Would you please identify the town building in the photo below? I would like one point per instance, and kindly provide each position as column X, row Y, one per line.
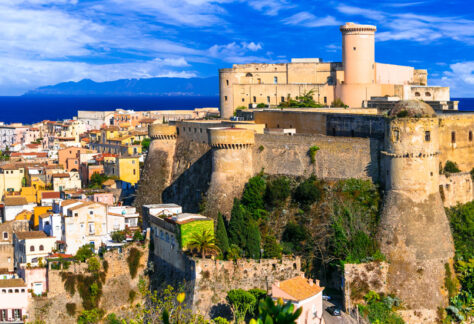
column 13, row 300
column 302, row 293
column 66, row 181
column 121, row 217
column 126, row 169
column 13, row 205
column 32, row 247
column 7, row 251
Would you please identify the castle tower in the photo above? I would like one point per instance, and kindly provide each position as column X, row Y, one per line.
column 226, row 96
column 231, row 165
column 158, row 164
column 414, row 232
column 358, row 59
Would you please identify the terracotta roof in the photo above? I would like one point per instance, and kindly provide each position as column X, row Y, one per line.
column 60, row 255
column 108, row 182
column 15, row 201
column 7, row 283
column 61, row 175
column 68, row 202
column 84, row 204
column 51, row 194
column 147, row 120
column 299, row 288
column 45, row 215
column 31, row 235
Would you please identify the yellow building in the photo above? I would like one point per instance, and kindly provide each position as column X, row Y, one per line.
column 37, row 211
column 11, row 178
column 127, row 169
column 29, row 193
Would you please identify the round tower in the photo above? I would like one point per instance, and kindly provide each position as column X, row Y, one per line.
column 231, row 165
column 358, row 53
column 226, row 95
column 414, row 232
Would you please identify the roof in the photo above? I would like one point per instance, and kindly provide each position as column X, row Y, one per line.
column 45, row 215
column 186, row 218
column 84, row 204
column 30, row 235
column 68, row 202
column 6, row 283
column 299, row 288
column 50, row 195
column 412, row 108
column 108, row 182
column 61, row 175
column 15, row 201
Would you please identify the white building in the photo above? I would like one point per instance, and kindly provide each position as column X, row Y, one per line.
column 13, row 300
column 119, row 217
column 51, row 224
column 66, row 181
column 31, row 246
column 14, row 205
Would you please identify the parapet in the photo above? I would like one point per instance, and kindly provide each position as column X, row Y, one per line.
column 162, row 131
column 231, row 138
column 351, row 27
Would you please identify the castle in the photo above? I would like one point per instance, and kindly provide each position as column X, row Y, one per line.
column 204, row 164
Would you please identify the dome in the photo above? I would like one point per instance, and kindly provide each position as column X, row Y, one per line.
column 412, row 108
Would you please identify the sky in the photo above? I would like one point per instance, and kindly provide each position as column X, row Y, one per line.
column 44, row 42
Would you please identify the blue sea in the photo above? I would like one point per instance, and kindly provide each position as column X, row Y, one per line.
column 28, row 110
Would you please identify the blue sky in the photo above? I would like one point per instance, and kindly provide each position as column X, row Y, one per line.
column 45, row 42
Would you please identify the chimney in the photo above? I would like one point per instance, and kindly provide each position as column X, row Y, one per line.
column 317, row 282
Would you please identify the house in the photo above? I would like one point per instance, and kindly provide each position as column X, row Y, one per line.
column 13, row 300
column 11, row 177
column 7, row 251
column 84, row 223
column 66, row 181
column 35, row 279
column 47, row 197
column 127, row 169
column 51, row 224
column 13, row 205
column 104, row 198
column 31, row 247
column 70, row 157
column 171, row 235
column 159, row 210
column 304, row 293
column 120, row 217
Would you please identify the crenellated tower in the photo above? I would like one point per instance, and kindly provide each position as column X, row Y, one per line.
column 231, row 165
column 414, row 231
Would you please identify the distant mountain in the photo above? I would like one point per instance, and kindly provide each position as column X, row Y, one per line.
column 133, row 87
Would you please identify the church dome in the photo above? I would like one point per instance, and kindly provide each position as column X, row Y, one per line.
column 412, row 108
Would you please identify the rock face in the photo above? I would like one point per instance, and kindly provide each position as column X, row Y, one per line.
column 414, row 231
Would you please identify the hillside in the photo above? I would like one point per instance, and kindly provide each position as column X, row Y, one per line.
column 133, row 87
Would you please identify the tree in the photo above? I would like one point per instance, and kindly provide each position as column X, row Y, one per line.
column 237, row 225
column 93, row 265
column 84, row 253
column 252, row 197
column 97, row 179
column 221, row 235
column 241, row 302
column 90, row 316
column 307, row 192
column 146, row 144
column 204, row 242
column 305, row 100
column 271, row 248
column 271, row 312
column 451, row 167
column 253, row 240
column 277, row 191
column 118, row 236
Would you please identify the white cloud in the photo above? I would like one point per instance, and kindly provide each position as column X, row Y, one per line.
column 20, row 75
column 270, row 7
column 460, row 78
column 252, row 46
column 236, row 53
column 307, row 19
column 355, row 11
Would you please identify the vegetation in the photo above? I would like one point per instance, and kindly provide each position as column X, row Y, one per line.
column 271, row 248
column 337, row 103
column 133, row 260
column 402, row 114
column 261, row 105
column 461, row 305
column 277, row 191
column 90, row 316
column 380, row 309
column 222, row 240
column 271, row 312
column 84, row 253
column 308, row 192
column 241, row 302
column 312, row 153
column 204, row 243
column 71, row 309
column 306, row 100
column 451, row 167
column 146, row 144
column 97, row 179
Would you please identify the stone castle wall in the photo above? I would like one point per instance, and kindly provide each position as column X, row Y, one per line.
column 115, row 291
column 456, row 188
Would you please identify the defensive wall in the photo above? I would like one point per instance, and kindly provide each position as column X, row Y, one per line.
column 115, row 290
column 456, row 188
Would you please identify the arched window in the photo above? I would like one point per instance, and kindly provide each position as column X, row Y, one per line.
column 428, row 94
column 249, row 75
column 417, row 94
column 41, row 248
column 32, row 248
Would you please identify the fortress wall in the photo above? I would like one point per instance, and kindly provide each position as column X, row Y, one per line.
column 303, row 122
column 214, row 278
column 196, row 131
column 456, row 188
column 462, row 151
column 337, row 158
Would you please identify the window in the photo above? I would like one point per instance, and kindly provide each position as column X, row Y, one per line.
column 134, row 171
column 248, row 75
column 354, row 48
column 41, row 248
column 396, row 135
column 268, row 99
column 282, row 99
column 243, row 99
column 427, row 136
column 470, row 136
column 417, row 94
column 91, row 212
column 32, row 248
column 259, row 81
column 275, row 80
column 5, row 235
column 227, row 82
column 453, row 137
column 325, row 100
column 225, row 98
column 428, row 94
column 254, row 99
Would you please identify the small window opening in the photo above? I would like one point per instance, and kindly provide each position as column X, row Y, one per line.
column 453, row 137
column 427, row 136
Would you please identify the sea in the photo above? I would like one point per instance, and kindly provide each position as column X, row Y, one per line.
column 27, row 110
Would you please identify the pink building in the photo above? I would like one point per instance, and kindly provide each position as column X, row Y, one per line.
column 104, row 198
column 13, row 300
column 304, row 293
column 35, row 279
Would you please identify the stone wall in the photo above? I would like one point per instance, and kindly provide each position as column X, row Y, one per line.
column 115, row 291
column 215, row 278
column 456, row 188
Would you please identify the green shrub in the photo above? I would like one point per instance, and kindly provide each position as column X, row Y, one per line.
column 277, row 191
column 112, row 318
column 402, row 114
column 253, row 241
column 461, row 219
column 451, row 167
column 118, row 236
column 312, row 153
column 131, row 295
column 307, row 192
column 93, row 265
column 220, row 320
column 241, row 302
column 90, row 316
column 105, row 265
column 71, row 309
column 84, row 253
column 221, row 235
column 338, row 103
column 380, row 309
column 69, row 280
column 238, row 225
column 133, row 261
column 138, row 236
column 261, row 148
column 254, row 191
column 261, row 105
column 271, row 248
column 450, row 281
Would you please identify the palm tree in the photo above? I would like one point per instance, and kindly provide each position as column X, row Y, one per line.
column 204, row 243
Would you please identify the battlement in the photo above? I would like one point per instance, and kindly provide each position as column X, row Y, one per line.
column 231, row 138
column 351, row 27
column 162, row 131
